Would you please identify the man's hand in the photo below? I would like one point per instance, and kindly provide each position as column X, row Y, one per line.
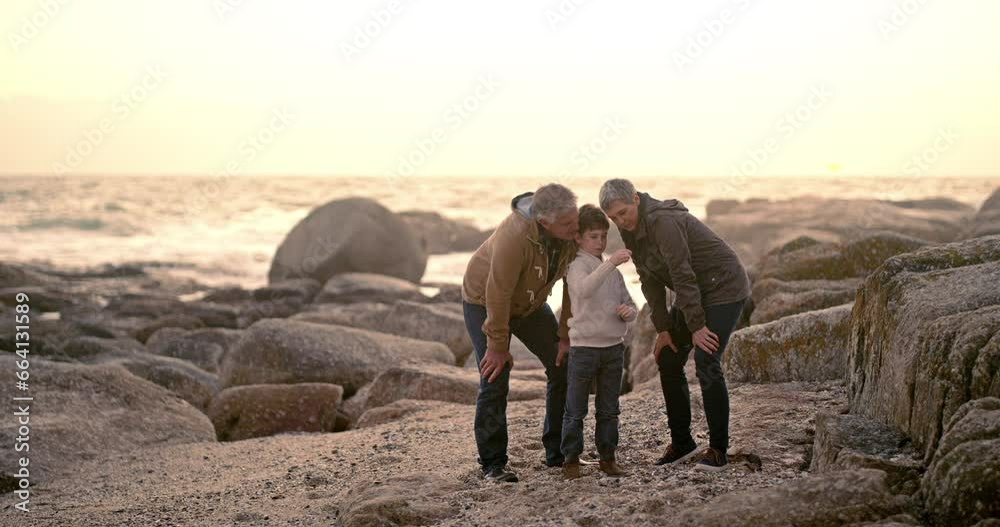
column 706, row 340
column 493, row 364
column 620, row 256
column 663, row 339
column 625, row 312
column 563, row 351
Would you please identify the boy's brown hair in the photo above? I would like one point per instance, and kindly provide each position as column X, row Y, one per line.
column 593, row 219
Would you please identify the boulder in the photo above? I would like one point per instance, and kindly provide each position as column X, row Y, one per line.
column 180, row 321
column 228, row 295
column 13, row 275
column 924, row 338
column 188, row 381
column 401, row 409
column 805, row 347
column 350, row 288
column 836, row 261
column 204, row 348
column 259, row 410
column 349, row 235
column 83, row 412
column 444, row 383
column 963, row 481
column 414, row 320
column 40, row 299
column 84, row 348
column 987, row 221
column 278, row 351
column 845, row 442
column 422, row 498
column 439, row 235
column 294, row 290
column 824, row 500
column 781, row 305
column 757, row 226
column 641, row 365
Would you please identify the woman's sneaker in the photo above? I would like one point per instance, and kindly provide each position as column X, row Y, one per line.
column 499, row 474
column 675, row 455
column 712, row 461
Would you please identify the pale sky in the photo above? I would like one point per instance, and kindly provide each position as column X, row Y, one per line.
column 607, row 88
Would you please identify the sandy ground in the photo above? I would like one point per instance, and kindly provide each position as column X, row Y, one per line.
column 310, row 479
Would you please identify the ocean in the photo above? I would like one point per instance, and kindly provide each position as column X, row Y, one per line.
column 225, row 231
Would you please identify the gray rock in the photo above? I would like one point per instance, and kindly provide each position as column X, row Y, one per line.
column 923, row 337
column 401, row 409
column 963, row 481
column 351, row 288
column 845, row 442
column 260, row 410
column 349, row 235
column 188, row 381
column 288, row 351
column 805, row 347
column 641, row 335
column 13, row 275
column 84, row 412
column 40, row 299
column 443, row 383
column 423, row 498
column 180, row 321
column 83, row 348
column 987, row 221
column 204, row 348
column 836, row 261
column 430, row 322
column 439, row 235
column 824, row 500
column 300, row 291
column 781, row 305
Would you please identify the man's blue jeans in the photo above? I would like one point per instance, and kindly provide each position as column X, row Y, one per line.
column 586, row 364
column 539, row 332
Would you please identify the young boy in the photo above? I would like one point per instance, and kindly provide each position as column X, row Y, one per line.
column 601, row 308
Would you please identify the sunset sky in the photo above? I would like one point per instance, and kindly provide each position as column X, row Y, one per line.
column 638, row 88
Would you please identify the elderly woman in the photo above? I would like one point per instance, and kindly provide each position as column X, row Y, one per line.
column 673, row 249
column 504, row 291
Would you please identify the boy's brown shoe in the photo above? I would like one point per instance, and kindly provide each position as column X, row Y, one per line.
column 611, row 468
column 571, row 470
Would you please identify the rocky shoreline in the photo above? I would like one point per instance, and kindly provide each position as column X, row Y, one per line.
column 864, row 386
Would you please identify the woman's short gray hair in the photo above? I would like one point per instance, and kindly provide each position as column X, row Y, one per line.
column 551, row 201
column 616, row 190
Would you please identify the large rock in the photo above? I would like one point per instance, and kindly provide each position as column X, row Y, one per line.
column 987, row 221
column 401, row 409
column 259, row 410
column 83, row 412
column 186, row 380
column 824, row 500
column 349, row 235
column 350, row 288
column 204, row 348
column 641, row 365
column 445, row 383
column 805, row 347
column 845, row 442
column 439, row 235
column 431, row 322
column 757, row 226
column 962, row 484
column 774, row 299
column 178, row 321
column 276, row 351
column 836, row 261
column 924, row 337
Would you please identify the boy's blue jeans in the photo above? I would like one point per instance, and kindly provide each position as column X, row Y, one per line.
column 586, row 364
column 539, row 332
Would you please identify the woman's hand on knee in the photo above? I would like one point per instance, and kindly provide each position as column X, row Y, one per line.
column 706, row 340
column 663, row 339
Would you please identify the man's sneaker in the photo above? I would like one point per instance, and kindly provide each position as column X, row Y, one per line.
column 571, row 470
column 499, row 474
column 611, row 468
column 674, row 455
column 712, row 461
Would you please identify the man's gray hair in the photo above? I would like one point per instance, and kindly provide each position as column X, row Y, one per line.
column 616, row 190
column 551, row 201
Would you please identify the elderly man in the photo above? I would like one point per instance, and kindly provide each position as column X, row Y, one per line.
column 672, row 248
column 504, row 291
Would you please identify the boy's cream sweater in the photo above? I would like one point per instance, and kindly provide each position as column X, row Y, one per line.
column 596, row 289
